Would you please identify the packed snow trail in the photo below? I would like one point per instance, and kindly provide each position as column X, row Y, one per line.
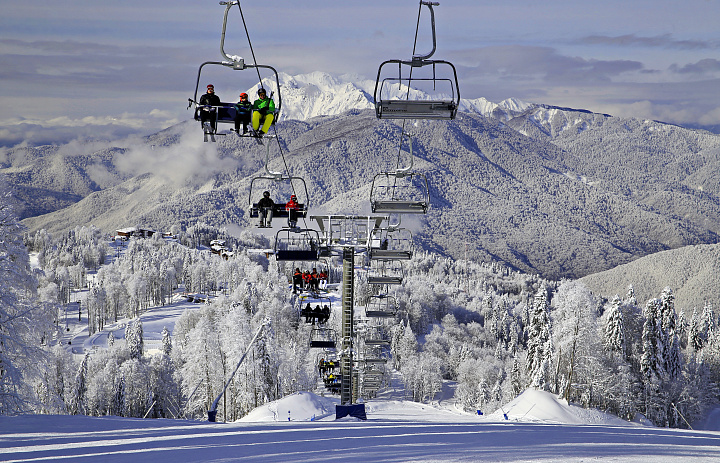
column 113, row 439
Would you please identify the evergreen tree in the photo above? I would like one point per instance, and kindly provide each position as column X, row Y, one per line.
column 77, row 402
column 669, row 336
column 538, row 349
column 166, row 341
column 695, row 332
column 653, row 350
column 615, row 329
column 134, row 338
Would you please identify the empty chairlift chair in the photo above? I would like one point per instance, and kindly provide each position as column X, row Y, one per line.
column 385, row 272
column 296, row 245
column 401, row 191
column 391, row 244
column 381, row 306
column 324, row 338
column 397, row 95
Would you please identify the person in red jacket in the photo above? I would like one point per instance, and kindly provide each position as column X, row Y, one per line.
column 292, row 207
column 306, row 279
column 322, row 276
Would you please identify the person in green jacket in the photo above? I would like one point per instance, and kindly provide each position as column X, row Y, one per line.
column 263, row 112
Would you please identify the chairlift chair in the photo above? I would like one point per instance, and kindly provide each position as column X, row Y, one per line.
column 281, row 186
column 391, row 244
column 401, row 191
column 225, row 112
column 321, row 337
column 385, row 272
column 300, row 244
column 322, row 301
column 439, row 81
column 381, row 306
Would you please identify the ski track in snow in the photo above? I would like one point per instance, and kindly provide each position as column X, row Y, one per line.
column 396, row 431
column 373, row 440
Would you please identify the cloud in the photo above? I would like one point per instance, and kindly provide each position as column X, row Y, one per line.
column 658, row 41
column 521, row 63
column 704, row 66
column 189, row 162
column 64, row 129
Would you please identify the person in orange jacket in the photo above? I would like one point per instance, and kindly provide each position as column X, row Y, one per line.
column 297, row 281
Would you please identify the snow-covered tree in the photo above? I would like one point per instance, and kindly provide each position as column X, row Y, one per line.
column 575, row 337
column 538, row 344
column 166, row 341
column 614, row 333
column 134, row 338
column 24, row 324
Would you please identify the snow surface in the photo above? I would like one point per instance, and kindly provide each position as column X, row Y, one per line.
column 538, row 428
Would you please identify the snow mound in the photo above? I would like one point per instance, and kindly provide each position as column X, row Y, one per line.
column 301, row 406
column 540, row 406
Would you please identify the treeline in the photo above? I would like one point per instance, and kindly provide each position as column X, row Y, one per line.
column 504, row 334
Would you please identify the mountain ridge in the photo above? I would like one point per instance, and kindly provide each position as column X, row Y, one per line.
column 521, row 200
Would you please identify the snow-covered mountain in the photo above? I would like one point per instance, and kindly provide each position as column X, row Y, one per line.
column 556, row 191
column 306, row 96
column 564, row 206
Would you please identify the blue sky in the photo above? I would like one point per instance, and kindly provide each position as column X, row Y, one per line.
column 106, row 69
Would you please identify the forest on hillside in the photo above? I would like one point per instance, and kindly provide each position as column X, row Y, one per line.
column 494, row 331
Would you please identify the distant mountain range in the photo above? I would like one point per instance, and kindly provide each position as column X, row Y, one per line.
column 554, row 191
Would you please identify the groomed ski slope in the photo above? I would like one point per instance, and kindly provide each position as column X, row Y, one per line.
column 539, row 428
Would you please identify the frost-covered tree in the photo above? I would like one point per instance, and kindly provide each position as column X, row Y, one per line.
column 24, row 324
column 670, row 340
column 134, row 338
column 538, row 344
column 653, row 350
column 575, row 337
column 696, row 338
column 166, row 341
column 78, row 399
column 614, row 333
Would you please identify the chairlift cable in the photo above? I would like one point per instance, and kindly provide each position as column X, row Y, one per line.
column 257, row 70
column 407, row 94
column 247, row 34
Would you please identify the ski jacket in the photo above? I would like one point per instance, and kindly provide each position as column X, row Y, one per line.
column 243, row 107
column 210, row 99
column 265, row 202
column 264, row 106
column 292, row 205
